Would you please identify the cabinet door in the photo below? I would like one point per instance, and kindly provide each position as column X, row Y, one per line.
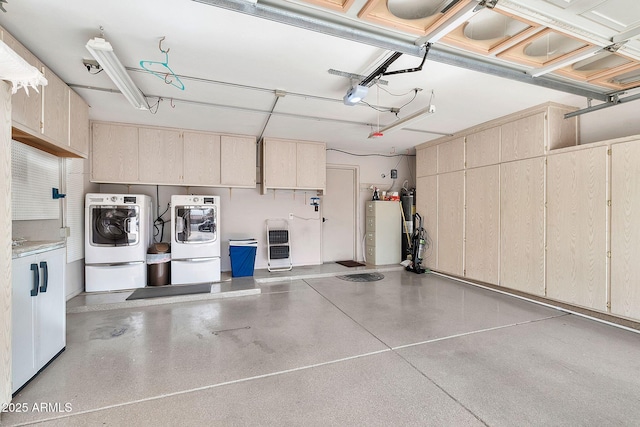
column 625, row 229
column 78, row 124
column 22, row 320
column 201, row 158
column 55, row 109
column 523, row 138
column 577, row 227
column 311, row 165
column 482, row 224
column 522, row 225
column 50, row 323
column 427, row 207
column 238, row 161
column 279, row 163
column 160, row 156
column 451, row 222
column 114, row 154
column 26, row 109
column 483, row 148
column 427, row 161
column 451, row 156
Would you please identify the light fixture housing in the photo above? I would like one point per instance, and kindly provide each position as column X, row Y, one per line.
column 399, row 124
column 355, row 94
column 581, row 56
column 103, row 52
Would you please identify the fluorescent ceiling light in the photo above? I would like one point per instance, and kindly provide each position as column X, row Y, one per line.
column 627, row 78
column 626, row 35
column 568, row 61
column 355, row 95
column 102, row 51
column 399, row 124
column 454, row 21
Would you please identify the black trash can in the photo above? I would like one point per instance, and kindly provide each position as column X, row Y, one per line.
column 159, row 264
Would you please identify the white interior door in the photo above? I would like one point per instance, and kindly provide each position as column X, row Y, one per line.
column 339, row 214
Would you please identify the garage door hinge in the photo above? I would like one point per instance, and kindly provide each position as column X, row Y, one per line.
column 609, row 152
column 608, row 202
column 608, row 254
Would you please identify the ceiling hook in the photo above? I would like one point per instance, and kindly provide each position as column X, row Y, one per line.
column 172, row 105
column 160, row 45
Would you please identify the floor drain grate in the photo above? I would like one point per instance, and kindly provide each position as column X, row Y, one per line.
column 363, row 277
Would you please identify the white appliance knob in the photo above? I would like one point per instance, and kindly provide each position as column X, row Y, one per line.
column 195, row 199
column 114, row 198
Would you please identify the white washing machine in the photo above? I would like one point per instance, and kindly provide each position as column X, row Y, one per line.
column 195, row 239
column 118, row 231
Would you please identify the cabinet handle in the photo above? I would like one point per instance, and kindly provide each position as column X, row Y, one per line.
column 45, row 274
column 36, row 280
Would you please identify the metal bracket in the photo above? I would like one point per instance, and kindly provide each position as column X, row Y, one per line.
column 56, row 194
column 614, row 47
column 489, row 4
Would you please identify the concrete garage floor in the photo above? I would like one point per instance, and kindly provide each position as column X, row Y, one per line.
column 405, row 350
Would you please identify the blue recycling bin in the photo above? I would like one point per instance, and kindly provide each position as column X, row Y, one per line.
column 243, row 257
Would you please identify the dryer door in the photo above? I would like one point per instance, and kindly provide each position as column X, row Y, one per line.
column 196, row 224
column 114, row 225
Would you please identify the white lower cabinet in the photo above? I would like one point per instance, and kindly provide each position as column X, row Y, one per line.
column 38, row 313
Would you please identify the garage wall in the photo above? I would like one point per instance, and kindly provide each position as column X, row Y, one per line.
column 372, row 167
column 244, row 211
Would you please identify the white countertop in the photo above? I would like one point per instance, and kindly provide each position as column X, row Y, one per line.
column 32, row 247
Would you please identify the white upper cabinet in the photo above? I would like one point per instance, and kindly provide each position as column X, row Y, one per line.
column 201, row 158
column 160, row 156
column 114, row 153
column 238, row 161
column 150, row 155
column 296, row 165
column 53, row 118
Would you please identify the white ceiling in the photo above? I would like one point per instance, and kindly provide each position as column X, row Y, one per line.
column 245, row 59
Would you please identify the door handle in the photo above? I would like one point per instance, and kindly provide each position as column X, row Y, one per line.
column 45, row 274
column 36, row 280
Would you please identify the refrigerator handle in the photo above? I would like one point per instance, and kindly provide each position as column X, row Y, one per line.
column 45, row 274
column 36, row 280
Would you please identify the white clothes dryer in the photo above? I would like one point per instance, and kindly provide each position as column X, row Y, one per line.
column 118, row 231
column 195, row 239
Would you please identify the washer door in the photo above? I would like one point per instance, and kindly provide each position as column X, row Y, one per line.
column 115, row 225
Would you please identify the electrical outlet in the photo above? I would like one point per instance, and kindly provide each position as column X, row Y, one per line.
column 290, row 216
column 65, row 232
column 394, row 173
